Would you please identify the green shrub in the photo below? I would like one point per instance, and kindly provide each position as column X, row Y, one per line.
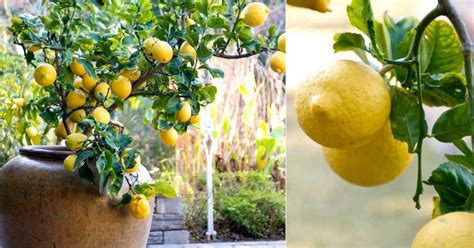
column 247, row 204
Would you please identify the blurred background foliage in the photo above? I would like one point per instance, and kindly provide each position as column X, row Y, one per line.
column 247, row 130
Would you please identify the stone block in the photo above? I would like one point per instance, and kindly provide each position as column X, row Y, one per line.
column 168, row 205
column 155, row 237
column 176, row 237
column 164, row 225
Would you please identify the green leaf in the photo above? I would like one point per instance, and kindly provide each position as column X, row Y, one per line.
column 464, row 160
column 397, row 31
column 115, row 185
column 203, row 52
column 445, row 48
column 351, row 42
column 453, row 183
column 146, row 189
column 165, row 189
column 447, row 89
column 126, row 198
column 453, row 124
column 463, row 147
column 405, row 118
column 173, row 105
column 83, row 156
column 86, row 173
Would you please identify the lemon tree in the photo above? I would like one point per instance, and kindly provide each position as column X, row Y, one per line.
column 20, row 123
column 91, row 57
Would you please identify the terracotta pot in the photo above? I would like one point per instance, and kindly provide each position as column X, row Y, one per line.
column 42, row 205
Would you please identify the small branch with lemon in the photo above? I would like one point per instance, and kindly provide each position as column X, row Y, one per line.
column 89, row 67
column 371, row 120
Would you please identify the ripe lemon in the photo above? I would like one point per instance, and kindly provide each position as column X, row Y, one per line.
column 162, row 52
column 278, row 62
column 380, row 161
column 78, row 83
column 133, row 74
column 188, row 49
column 452, row 230
column 75, row 141
column 137, row 164
column 318, row 5
column 343, row 106
column 102, row 88
column 75, row 99
column 169, row 137
column 281, row 45
column 101, row 115
column 36, row 140
column 31, row 132
column 60, row 130
column 45, row 75
column 77, row 68
column 189, row 22
column 19, row 102
column 255, row 14
column 69, row 162
column 121, row 87
column 148, row 44
column 88, row 82
column 184, row 113
column 139, row 207
column 195, row 119
column 78, row 115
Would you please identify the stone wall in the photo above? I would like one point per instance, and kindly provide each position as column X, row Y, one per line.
column 168, row 222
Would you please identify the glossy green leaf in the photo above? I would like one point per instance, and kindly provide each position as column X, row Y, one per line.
column 351, row 42
column 447, row 89
column 165, row 189
column 453, row 124
column 405, row 118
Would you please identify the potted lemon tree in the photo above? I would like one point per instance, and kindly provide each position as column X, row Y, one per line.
column 90, row 58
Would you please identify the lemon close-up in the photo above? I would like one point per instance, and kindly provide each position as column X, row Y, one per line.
column 184, row 113
column 121, row 87
column 278, row 62
column 101, row 115
column 452, row 230
column 188, row 49
column 139, row 207
column 162, row 52
column 75, row 141
column 255, row 14
column 77, row 68
column 75, row 99
column 45, row 75
column 69, row 162
column 169, row 137
column 344, row 105
column 380, row 161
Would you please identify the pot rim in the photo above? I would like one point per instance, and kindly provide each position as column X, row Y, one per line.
column 55, row 152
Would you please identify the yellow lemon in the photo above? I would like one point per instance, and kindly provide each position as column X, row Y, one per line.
column 102, row 88
column 188, row 49
column 344, row 105
column 162, row 52
column 169, row 137
column 121, row 87
column 195, row 119
column 189, row 22
column 45, row 75
column 452, row 230
column 31, row 132
column 318, row 5
column 75, row 99
column 380, row 161
column 101, row 115
column 133, row 74
column 281, row 45
column 69, row 162
column 278, row 62
column 75, row 141
column 255, row 14
column 78, row 115
column 139, row 207
column 78, row 83
column 60, row 130
column 148, row 44
column 19, row 102
column 77, row 68
column 36, row 140
column 184, row 113
column 88, row 82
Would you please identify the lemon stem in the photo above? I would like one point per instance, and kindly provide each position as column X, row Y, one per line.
column 386, row 68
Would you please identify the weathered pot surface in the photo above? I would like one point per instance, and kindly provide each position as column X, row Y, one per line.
column 43, row 205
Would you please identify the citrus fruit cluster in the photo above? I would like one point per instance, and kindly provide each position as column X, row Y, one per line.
column 346, row 109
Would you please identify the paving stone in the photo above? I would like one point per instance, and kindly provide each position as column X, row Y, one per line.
column 169, row 206
column 176, row 237
column 155, row 237
column 165, row 225
column 168, row 216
